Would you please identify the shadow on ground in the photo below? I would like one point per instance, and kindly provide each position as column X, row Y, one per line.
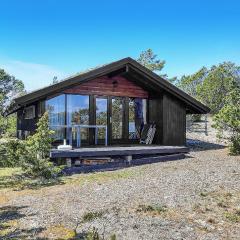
column 199, row 145
column 20, row 182
column 9, row 226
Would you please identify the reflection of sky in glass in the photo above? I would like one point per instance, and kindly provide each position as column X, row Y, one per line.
column 56, row 108
column 75, row 103
column 101, row 104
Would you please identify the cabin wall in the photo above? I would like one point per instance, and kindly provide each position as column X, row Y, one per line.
column 106, row 86
column 155, row 115
column 174, row 121
column 26, row 127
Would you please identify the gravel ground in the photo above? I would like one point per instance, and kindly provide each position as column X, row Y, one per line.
column 190, row 190
column 194, row 198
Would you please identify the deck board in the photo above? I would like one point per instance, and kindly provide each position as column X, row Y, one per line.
column 117, row 151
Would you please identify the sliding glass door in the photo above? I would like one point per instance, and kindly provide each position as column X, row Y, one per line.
column 101, row 115
column 78, row 114
column 123, row 116
column 117, row 113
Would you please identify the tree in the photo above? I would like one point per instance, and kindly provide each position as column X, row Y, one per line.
column 218, row 83
column 10, row 87
column 150, row 60
column 228, row 118
column 36, row 149
column 210, row 86
column 191, row 83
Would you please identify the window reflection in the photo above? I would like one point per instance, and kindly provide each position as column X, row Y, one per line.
column 78, row 113
column 137, row 116
column 101, row 116
column 117, row 118
column 56, row 110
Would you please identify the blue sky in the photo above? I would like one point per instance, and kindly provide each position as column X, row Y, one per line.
column 41, row 39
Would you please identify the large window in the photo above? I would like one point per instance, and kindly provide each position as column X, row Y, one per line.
column 137, row 116
column 56, row 109
column 101, row 115
column 117, row 118
column 78, row 113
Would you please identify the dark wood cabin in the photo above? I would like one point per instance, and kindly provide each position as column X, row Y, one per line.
column 122, row 95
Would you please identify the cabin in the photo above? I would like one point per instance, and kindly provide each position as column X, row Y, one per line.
column 108, row 106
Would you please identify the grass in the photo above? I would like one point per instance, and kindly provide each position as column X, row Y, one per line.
column 90, row 216
column 233, row 216
column 14, row 178
column 152, row 209
column 59, row 232
column 101, row 177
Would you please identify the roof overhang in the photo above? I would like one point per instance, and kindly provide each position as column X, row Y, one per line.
column 127, row 67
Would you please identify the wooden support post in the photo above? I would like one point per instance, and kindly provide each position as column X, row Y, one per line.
column 68, row 162
column 128, row 159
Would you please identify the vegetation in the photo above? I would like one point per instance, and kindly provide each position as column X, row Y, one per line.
column 228, row 118
column 219, row 88
column 9, row 153
column 90, row 216
column 10, row 87
column 152, row 209
column 233, row 216
column 34, row 153
column 210, row 86
column 151, row 61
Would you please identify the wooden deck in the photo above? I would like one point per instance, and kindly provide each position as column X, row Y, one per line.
column 118, row 151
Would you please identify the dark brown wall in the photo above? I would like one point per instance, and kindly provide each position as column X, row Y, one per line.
column 155, row 105
column 26, row 124
column 174, row 121
column 115, row 86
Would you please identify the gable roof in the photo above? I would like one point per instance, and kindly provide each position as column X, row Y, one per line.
column 127, row 66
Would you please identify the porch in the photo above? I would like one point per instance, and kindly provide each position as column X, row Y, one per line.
column 117, row 151
column 93, row 159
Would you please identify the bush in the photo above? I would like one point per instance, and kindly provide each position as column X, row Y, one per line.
column 228, row 119
column 234, row 146
column 9, row 152
column 34, row 153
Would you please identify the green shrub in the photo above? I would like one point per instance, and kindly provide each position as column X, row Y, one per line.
column 228, row 119
column 9, row 153
column 34, row 152
column 152, row 209
column 90, row 216
column 234, row 146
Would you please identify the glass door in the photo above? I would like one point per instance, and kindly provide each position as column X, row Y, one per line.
column 101, row 116
column 116, row 119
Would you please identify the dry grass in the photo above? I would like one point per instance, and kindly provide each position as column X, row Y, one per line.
column 58, row 232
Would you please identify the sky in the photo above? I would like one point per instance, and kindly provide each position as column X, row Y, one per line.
column 45, row 38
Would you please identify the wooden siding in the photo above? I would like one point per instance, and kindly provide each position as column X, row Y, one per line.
column 115, row 86
column 25, row 124
column 155, row 110
column 174, row 121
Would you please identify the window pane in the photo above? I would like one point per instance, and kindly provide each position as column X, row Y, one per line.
column 137, row 116
column 117, row 118
column 56, row 109
column 78, row 113
column 101, row 116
